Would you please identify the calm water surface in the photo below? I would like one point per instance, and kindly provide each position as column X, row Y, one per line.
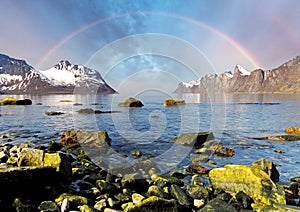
column 232, row 119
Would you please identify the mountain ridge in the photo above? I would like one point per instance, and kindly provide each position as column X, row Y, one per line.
column 17, row 77
column 283, row 79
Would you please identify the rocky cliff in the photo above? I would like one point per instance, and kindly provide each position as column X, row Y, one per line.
column 284, row 79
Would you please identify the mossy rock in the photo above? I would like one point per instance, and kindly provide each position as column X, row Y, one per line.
column 280, row 138
column 58, row 161
column 131, row 102
column 31, row 157
column 173, row 102
column 74, row 199
column 252, row 181
column 9, row 101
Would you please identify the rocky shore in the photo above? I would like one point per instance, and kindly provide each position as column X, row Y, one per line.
column 63, row 177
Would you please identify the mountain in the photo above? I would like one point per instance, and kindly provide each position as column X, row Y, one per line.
column 284, row 79
column 17, row 77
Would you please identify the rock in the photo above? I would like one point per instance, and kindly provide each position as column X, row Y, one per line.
column 85, row 208
column 296, row 179
column 136, row 153
column 180, row 196
column 31, row 157
column 21, row 207
column 198, row 203
column 244, row 200
column 60, row 162
column 65, row 100
column 163, row 180
column 53, row 113
column 48, row 206
column 64, row 205
column 134, row 181
column 268, row 167
column 3, row 157
column 74, row 200
column 280, row 207
column 290, row 130
column 154, row 204
column 14, row 101
column 252, row 181
column 91, row 111
column 156, row 191
column 279, row 138
column 131, row 102
column 136, row 198
column 24, row 102
column 9, row 101
column 198, row 192
column 19, row 176
column 173, row 102
column 193, row 139
column 76, row 137
column 100, row 205
column 197, row 169
column 222, row 151
column 106, row 187
column 218, row 205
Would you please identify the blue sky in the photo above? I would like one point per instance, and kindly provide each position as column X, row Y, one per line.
column 162, row 42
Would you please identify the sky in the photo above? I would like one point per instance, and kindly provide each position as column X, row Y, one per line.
column 151, row 44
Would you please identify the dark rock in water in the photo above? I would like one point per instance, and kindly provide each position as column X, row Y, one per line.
column 131, row 102
column 218, row 205
column 197, row 169
column 53, row 113
column 180, row 195
column 24, row 102
column 280, row 138
column 48, row 206
column 296, row 179
column 193, row 139
column 268, row 167
column 91, row 111
column 222, row 151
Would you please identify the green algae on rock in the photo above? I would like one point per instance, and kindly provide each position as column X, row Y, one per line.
column 252, row 181
column 131, row 102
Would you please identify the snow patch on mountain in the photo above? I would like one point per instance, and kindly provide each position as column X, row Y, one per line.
column 242, row 70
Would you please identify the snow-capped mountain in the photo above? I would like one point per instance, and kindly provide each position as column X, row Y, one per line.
column 17, row 77
column 285, row 78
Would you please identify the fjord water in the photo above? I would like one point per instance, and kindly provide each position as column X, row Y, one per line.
column 234, row 120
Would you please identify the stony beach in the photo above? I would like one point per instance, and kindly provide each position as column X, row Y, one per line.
column 62, row 177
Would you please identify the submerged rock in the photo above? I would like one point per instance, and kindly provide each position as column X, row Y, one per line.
column 53, row 113
column 193, row 139
column 252, row 181
column 222, row 151
column 131, row 102
column 173, row 102
column 91, row 111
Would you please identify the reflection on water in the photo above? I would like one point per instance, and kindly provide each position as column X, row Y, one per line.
column 150, row 129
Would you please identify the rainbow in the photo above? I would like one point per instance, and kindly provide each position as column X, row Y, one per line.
column 221, row 34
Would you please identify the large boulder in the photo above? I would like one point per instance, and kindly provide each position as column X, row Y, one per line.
column 59, row 161
column 173, row 102
column 31, row 157
column 193, row 139
column 252, row 181
column 131, row 102
column 14, row 101
column 83, row 137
